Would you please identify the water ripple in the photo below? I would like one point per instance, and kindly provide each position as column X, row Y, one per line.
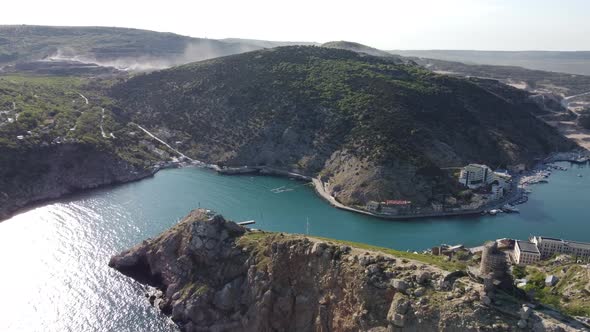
column 56, row 278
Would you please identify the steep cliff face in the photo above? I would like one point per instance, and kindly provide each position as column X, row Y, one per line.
column 214, row 275
column 41, row 173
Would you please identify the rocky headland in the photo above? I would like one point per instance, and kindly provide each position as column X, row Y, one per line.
column 211, row 274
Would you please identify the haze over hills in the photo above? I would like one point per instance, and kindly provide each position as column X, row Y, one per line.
column 266, row 43
column 122, row 48
column 356, row 47
column 556, row 61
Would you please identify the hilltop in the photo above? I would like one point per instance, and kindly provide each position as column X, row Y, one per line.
column 356, row 47
column 371, row 127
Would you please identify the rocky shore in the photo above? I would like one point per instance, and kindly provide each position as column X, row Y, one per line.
column 213, row 275
column 52, row 172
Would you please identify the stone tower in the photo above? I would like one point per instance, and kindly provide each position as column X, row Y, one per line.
column 493, row 261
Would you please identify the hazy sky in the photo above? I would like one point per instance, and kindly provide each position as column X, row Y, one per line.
column 393, row 24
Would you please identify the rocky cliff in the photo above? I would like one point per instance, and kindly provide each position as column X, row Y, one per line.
column 213, row 275
column 42, row 173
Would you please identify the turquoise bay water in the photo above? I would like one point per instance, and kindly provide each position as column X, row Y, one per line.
column 54, row 257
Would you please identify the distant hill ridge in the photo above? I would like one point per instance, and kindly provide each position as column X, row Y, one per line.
column 572, row 62
column 123, row 48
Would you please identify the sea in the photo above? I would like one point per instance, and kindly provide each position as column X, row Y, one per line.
column 53, row 257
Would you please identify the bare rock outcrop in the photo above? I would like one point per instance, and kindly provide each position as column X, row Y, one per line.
column 214, row 275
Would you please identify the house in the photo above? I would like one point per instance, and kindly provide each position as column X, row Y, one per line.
column 372, row 206
column 437, row 207
column 520, row 283
column 497, row 192
column 551, row 280
column 502, row 178
column 526, row 253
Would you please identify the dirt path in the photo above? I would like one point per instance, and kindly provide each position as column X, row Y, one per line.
column 101, row 127
column 161, row 141
column 85, row 99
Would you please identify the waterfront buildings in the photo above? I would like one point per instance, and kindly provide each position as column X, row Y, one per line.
column 475, row 176
column 390, row 207
column 395, row 207
column 550, row 246
column 526, row 253
column 540, row 247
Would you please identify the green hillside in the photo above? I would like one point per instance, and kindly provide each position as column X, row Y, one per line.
column 373, row 128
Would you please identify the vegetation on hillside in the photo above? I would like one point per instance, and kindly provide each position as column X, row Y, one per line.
column 46, row 111
column 569, row 294
column 294, row 107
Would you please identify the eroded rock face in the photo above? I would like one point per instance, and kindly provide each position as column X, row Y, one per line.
column 217, row 276
column 59, row 170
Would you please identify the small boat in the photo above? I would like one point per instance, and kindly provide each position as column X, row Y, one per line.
column 580, row 175
column 493, row 212
column 278, row 189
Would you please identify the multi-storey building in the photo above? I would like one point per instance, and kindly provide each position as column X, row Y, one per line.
column 526, row 253
column 550, row 246
column 474, row 176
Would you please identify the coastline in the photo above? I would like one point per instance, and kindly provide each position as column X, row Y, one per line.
column 12, row 210
column 577, row 156
column 322, row 193
column 319, row 188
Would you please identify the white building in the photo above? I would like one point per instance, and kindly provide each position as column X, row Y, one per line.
column 474, row 176
column 526, row 253
column 550, row 246
column 497, row 192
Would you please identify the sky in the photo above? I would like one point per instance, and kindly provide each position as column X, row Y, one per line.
column 394, row 24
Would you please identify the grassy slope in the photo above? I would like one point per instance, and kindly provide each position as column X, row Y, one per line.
column 44, row 109
column 259, row 241
column 569, row 294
